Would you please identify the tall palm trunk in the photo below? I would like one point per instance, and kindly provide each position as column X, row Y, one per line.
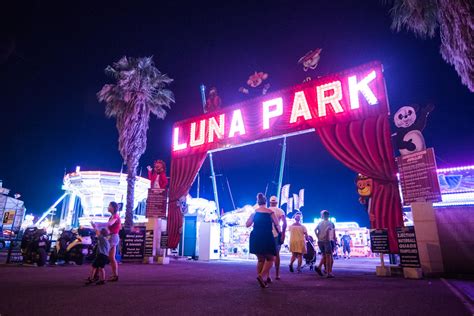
column 131, row 177
column 133, row 141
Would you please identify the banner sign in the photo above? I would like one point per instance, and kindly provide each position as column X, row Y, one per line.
column 379, row 241
column 164, row 240
column 408, row 247
column 354, row 94
column 8, row 218
column 149, row 235
column 418, row 177
column 134, row 244
column 156, row 203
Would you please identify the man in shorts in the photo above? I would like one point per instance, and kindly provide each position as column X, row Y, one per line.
column 346, row 245
column 325, row 231
column 280, row 215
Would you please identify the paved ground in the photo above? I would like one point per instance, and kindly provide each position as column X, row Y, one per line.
column 198, row 288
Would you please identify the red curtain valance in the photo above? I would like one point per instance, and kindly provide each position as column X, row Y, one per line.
column 365, row 147
column 183, row 172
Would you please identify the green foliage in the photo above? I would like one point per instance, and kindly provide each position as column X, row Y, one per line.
column 454, row 19
column 139, row 90
column 418, row 16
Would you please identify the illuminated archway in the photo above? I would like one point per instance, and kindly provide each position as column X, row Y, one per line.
column 349, row 110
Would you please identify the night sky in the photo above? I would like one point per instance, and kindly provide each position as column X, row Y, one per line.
column 52, row 57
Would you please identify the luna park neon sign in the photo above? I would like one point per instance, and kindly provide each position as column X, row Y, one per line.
column 350, row 95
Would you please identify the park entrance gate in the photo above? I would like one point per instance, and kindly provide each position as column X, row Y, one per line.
column 348, row 110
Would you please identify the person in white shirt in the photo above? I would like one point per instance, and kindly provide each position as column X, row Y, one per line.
column 279, row 238
column 325, row 231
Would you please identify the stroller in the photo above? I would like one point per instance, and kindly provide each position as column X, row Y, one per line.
column 310, row 255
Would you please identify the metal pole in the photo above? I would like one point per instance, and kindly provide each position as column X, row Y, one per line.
column 214, row 184
column 198, row 185
column 230, row 192
column 282, row 169
column 203, row 97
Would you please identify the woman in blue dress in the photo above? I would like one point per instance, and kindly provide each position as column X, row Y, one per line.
column 262, row 242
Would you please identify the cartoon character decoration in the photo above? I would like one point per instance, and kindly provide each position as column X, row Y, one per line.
column 410, row 121
column 157, row 175
column 255, row 81
column 365, row 190
column 183, row 204
column 213, row 101
column 311, row 59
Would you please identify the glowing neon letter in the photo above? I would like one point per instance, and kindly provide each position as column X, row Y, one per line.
column 362, row 86
column 333, row 99
column 193, row 141
column 176, row 145
column 300, row 108
column 237, row 124
column 268, row 114
column 215, row 128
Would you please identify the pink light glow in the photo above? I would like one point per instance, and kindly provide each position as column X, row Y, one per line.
column 300, row 107
column 332, row 99
column 237, row 124
column 176, row 144
column 361, row 86
column 271, row 109
column 454, row 169
column 197, row 141
column 217, row 129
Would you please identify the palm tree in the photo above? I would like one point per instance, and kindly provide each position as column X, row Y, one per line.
column 139, row 90
column 455, row 20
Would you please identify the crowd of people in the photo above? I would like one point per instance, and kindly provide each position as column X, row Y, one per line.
column 268, row 234
column 267, row 237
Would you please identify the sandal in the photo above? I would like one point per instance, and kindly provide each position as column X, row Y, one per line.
column 89, row 281
column 113, row 279
column 261, row 282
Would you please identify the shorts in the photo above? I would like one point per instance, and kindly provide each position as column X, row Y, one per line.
column 325, row 247
column 346, row 248
column 278, row 245
column 114, row 240
column 100, row 261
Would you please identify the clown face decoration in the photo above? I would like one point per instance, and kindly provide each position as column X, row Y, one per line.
column 311, row 59
column 254, row 81
column 410, row 122
column 364, row 188
column 183, row 204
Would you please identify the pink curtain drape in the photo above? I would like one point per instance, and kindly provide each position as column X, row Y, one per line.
column 365, row 147
column 183, row 172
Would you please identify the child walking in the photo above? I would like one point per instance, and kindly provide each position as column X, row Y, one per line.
column 298, row 237
column 101, row 259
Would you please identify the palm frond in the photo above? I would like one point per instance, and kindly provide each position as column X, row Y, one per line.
column 455, row 20
column 418, row 16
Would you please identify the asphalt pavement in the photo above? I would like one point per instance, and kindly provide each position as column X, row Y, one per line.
column 224, row 287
